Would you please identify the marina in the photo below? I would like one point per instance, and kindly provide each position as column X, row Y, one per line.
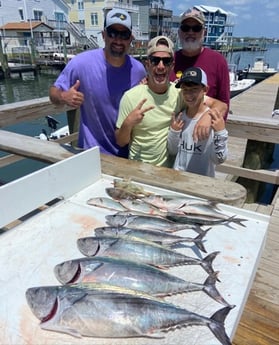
column 258, row 322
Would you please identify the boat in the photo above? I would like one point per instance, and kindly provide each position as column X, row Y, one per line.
column 260, row 70
column 54, row 132
column 237, row 84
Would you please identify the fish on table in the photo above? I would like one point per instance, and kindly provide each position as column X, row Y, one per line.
column 132, row 275
column 126, row 219
column 141, row 251
column 98, row 312
column 158, row 236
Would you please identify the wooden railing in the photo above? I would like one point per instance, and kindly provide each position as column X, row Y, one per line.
column 239, row 127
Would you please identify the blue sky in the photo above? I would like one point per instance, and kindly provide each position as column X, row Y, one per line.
column 255, row 18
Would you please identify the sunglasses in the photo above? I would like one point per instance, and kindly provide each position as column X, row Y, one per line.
column 194, row 28
column 155, row 60
column 123, row 35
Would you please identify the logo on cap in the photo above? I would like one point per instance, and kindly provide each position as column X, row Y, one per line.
column 120, row 16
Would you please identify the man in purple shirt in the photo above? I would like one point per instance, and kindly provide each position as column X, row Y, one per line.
column 95, row 81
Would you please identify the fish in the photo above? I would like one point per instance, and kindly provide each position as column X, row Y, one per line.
column 126, row 219
column 132, row 275
column 107, row 203
column 141, row 251
column 141, row 207
column 169, row 203
column 158, row 236
column 130, row 186
column 94, row 312
column 203, row 212
column 201, row 219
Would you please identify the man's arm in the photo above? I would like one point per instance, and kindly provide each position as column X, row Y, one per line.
column 202, row 128
column 71, row 97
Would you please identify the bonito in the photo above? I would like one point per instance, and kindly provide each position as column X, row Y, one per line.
column 114, row 314
column 131, row 275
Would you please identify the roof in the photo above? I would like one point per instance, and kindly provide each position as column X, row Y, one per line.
column 210, row 9
column 24, row 26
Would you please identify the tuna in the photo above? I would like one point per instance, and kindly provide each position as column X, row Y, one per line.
column 102, row 313
column 141, row 251
column 161, row 237
column 131, row 275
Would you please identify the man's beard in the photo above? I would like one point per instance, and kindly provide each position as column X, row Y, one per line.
column 117, row 53
column 191, row 46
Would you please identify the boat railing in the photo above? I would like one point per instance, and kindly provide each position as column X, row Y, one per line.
column 13, row 113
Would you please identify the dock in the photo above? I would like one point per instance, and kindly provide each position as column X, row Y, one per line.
column 250, row 119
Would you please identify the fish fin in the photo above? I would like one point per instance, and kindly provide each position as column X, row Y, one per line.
column 211, row 290
column 206, row 262
column 217, row 325
column 198, row 240
column 59, row 328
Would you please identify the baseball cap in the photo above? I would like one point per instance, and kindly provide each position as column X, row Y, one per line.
column 118, row 16
column 194, row 14
column 193, row 75
column 160, row 44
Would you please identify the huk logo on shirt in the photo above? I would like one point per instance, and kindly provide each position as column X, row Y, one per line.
column 193, row 147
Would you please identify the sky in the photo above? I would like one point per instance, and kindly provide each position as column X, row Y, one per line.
column 253, row 18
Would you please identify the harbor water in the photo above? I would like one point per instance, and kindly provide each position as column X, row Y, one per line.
column 30, row 87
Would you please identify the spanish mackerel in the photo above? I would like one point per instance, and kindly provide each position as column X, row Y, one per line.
column 158, row 236
column 148, row 222
column 94, row 312
column 131, row 275
column 141, row 251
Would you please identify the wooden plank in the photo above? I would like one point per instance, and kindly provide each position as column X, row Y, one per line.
column 41, row 150
column 267, row 176
column 13, row 113
column 253, row 129
column 200, row 186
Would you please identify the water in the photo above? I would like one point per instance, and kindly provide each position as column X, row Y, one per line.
column 16, row 90
column 245, row 58
column 30, row 87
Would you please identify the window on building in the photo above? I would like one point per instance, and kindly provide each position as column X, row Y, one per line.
column 37, row 14
column 73, row 2
column 80, row 5
column 59, row 16
column 94, row 19
column 21, row 14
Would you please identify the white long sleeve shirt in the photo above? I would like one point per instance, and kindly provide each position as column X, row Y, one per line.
column 200, row 157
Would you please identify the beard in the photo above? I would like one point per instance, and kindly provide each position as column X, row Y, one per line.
column 116, row 51
column 190, row 45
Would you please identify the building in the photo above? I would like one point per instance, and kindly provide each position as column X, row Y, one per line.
column 45, row 22
column 219, row 26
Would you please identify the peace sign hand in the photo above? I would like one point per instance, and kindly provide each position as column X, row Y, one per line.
column 136, row 116
column 176, row 122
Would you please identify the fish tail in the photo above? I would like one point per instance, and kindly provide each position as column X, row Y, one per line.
column 217, row 326
column 206, row 262
column 211, row 290
column 238, row 221
column 198, row 240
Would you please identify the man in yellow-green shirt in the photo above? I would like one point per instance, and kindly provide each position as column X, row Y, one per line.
column 146, row 110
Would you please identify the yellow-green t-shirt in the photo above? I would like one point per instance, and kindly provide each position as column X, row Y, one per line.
column 149, row 138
